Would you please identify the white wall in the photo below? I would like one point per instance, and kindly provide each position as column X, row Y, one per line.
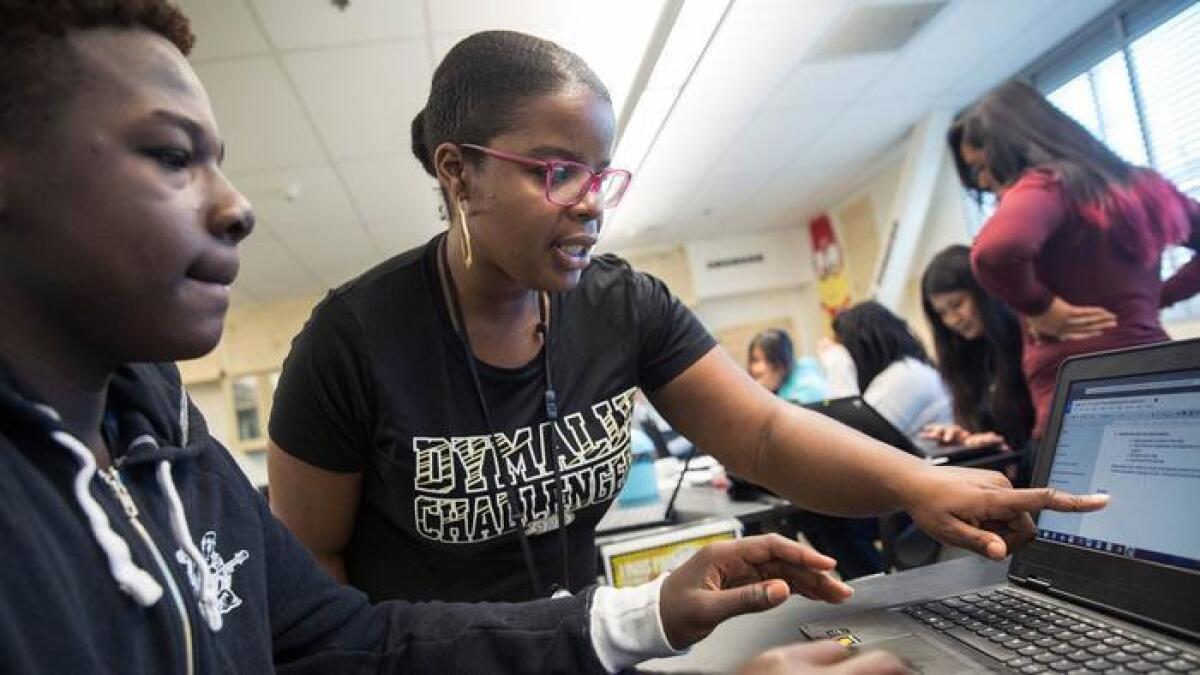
column 1184, row 330
column 797, row 302
column 881, row 189
column 947, row 223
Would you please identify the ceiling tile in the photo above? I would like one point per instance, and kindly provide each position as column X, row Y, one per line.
column 464, row 17
column 299, row 201
column 832, row 82
column 363, row 99
column 335, row 255
column 863, row 130
column 753, row 52
column 686, row 151
column 591, row 40
column 260, row 119
column 1026, row 45
column 270, row 272
column 299, row 25
column 224, row 29
column 959, row 39
column 774, row 138
column 768, row 143
column 394, row 193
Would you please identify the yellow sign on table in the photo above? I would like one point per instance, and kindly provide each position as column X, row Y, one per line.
column 636, row 560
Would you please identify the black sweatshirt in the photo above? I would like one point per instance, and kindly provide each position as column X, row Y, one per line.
column 262, row 604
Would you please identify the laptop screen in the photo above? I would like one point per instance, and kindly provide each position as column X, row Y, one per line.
column 1136, row 438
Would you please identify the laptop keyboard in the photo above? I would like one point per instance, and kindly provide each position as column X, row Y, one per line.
column 1032, row 636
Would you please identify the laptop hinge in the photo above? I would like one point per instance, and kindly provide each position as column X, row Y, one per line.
column 1033, row 581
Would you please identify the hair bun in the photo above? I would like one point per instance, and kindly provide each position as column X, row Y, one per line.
column 419, row 148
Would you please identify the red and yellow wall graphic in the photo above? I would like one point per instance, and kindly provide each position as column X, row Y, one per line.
column 833, row 289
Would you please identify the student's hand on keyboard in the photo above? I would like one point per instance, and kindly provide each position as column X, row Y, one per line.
column 978, row 510
column 984, row 439
column 824, row 658
column 945, row 434
column 729, row 578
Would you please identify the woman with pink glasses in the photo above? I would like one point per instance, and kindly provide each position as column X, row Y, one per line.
column 453, row 423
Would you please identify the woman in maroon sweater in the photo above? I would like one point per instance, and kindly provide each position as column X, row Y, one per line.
column 1076, row 241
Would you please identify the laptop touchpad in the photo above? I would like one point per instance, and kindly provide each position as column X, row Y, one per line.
column 923, row 656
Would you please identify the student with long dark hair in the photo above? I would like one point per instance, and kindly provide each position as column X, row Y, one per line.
column 893, row 370
column 978, row 343
column 1076, row 241
column 463, row 409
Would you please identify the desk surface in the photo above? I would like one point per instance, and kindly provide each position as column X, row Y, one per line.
column 696, row 503
column 737, row 640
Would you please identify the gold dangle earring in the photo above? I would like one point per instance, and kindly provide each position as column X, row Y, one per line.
column 466, row 245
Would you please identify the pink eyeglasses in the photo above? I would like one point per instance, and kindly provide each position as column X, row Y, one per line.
column 568, row 183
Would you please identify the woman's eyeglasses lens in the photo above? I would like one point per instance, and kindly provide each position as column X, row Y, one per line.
column 568, row 185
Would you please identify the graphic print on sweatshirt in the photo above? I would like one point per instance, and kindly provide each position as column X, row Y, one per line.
column 227, row 600
column 460, row 495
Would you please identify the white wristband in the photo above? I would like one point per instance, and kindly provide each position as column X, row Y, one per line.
column 626, row 626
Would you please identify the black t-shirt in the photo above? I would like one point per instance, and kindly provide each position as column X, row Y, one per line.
column 377, row 382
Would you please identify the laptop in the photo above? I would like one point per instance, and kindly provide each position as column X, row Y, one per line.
column 856, row 413
column 1117, row 590
column 620, row 519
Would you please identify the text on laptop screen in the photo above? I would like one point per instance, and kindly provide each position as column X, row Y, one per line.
column 1136, row 438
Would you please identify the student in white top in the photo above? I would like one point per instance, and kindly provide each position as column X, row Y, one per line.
column 892, row 369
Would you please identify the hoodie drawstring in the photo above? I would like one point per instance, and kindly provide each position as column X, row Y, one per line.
column 131, row 579
column 209, row 605
column 209, row 601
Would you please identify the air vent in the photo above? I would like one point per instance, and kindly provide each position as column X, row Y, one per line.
column 871, row 29
column 749, row 263
column 734, row 261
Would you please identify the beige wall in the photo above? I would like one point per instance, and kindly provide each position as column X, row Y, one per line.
column 210, row 398
column 671, row 266
column 255, row 341
column 787, row 308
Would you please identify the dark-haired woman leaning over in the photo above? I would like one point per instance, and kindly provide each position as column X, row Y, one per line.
column 978, row 343
column 1076, row 242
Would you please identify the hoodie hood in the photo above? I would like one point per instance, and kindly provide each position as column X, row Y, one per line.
column 148, row 402
column 145, row 402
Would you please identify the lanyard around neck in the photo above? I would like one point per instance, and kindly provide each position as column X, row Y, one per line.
column 550, row 402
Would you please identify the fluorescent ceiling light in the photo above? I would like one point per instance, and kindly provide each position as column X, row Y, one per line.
column 693, row 29
column 689, row 29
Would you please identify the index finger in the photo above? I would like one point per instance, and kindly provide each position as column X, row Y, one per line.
column 1037, row 499
column 761, row 549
